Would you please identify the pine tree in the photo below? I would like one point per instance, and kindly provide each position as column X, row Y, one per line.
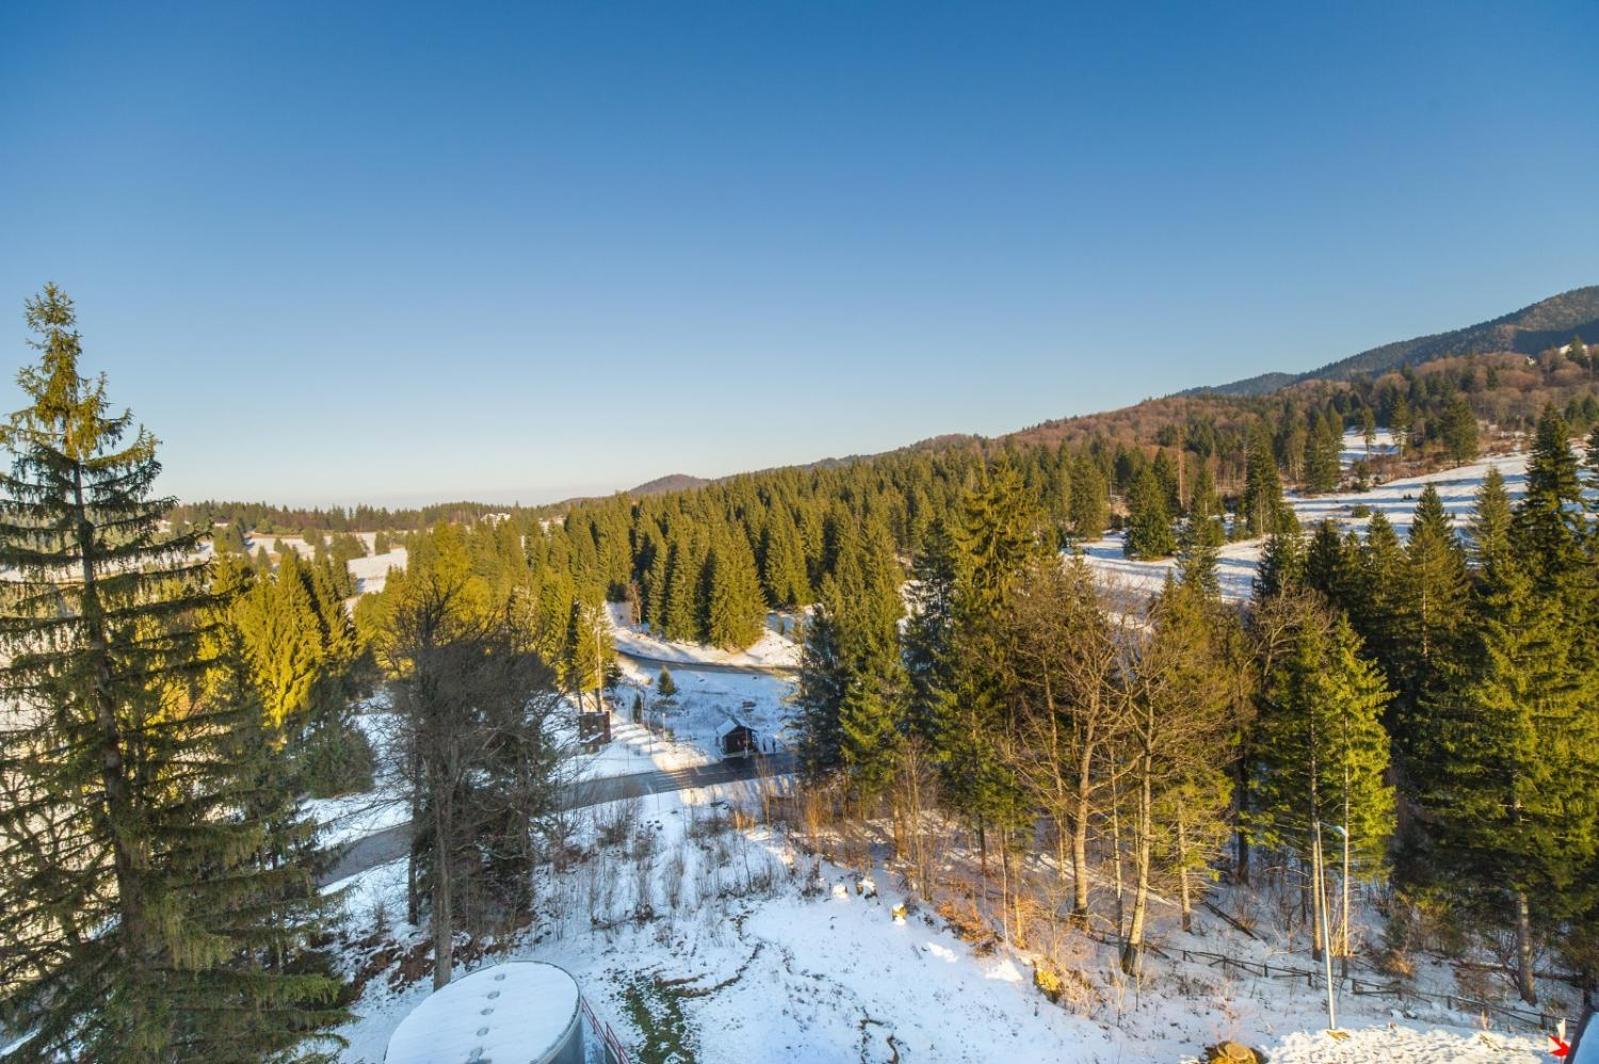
column 1429, row 608
column 1513, row 789
column 1322, row 445
column 1149, row 531
column 141, row 920
column 1090, row 505
column 1491, row 523
column 1202, row 535
column 1262, row 504
column 1550, row 527
column 1322, row 757
column 736, row 613
column 783, row 562
column 679, row 612
column 1282, row 560
column 1458, row 427
column 1400, row 422
column 929, row 633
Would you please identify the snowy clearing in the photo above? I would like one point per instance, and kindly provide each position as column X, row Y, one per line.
column 774, row 650
column 1237, row 563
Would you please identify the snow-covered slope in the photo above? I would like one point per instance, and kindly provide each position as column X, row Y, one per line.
column 1396, row 500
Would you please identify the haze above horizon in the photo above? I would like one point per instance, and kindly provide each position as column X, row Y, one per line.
column 412, row 253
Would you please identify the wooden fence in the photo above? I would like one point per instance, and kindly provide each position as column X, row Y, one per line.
column 1533, row 1019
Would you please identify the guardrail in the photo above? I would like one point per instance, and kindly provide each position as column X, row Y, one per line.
column 615, row 1051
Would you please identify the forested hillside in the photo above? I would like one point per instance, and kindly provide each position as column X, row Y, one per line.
column 1548, row 323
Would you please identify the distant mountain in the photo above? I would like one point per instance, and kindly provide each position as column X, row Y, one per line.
column 670, row 482
column 1529, row 330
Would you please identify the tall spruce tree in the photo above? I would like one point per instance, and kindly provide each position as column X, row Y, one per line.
column 1202, row 535
column 1090, row 505
column 144, row 917
column 1322, row 758
column 1262, row 504
column 1512, row 790
column 736, row 612
column 1149, row 528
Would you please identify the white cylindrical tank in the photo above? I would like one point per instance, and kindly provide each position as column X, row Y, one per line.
column 523, row 1012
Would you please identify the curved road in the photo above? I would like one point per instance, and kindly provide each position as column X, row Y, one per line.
column 392, row 843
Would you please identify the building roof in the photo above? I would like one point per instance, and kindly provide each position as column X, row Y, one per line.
column 515, row 1011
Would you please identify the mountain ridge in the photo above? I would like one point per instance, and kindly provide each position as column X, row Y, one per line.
column 1527, row 331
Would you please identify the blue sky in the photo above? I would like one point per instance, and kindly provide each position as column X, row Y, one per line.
column 392, row 253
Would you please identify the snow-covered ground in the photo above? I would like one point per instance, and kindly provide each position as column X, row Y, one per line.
column 370, row 572
column 692, row 930
column 1406, row 1045
column 705, row 700
column 745, row 966
column 1237, row 562
column 774, row 650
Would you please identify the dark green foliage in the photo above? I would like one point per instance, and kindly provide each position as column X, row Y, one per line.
column 1458, row 428
column 155, row 883
column 1262, row 504
column 1090, row 506
column 1149, row 525
column 736, row 611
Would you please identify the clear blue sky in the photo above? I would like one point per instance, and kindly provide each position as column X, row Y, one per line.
column 388, row 252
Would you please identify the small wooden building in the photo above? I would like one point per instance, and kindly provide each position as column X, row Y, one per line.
column 734, row 738
column 593, row 730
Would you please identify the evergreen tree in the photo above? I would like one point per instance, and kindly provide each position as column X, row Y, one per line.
column 1262, row 504
column 1512, row 790
column 1282, row 560
column 142, row 919
column 783, row 562
column 1202, row 535
column 1550, row 527
column 929, row 633
column 1323, row 756
column 1458, row 428
column 1491, row 523
column 1090, row 505
column 679, row 611
column 1149, row 531
column 1322, row 445
column 736, row 614
column 1429, row 609
column 1400, row 422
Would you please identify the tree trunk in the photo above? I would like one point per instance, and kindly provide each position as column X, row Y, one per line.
column 1524, row 983
column 1080, row 846
column 1241, row 872
column 113, row 769
column 1133, row 945
column 1182, row 871
column 443, row 927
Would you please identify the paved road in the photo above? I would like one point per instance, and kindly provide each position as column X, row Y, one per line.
column 392, row 843
column 707, row 666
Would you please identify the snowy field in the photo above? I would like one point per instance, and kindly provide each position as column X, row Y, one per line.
column 705, row 700
column 370, row 573
column 1236, row 563
column 710, row 940
column 774, row 650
